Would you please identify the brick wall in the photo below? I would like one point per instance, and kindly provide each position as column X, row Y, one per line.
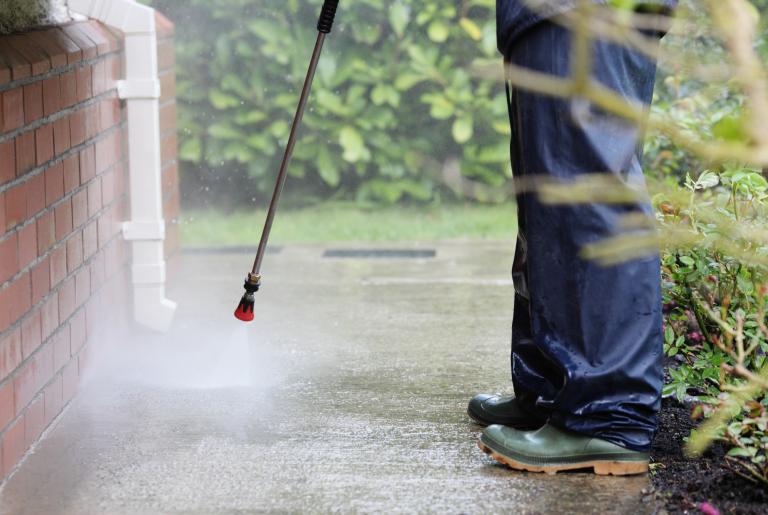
column 63, row 193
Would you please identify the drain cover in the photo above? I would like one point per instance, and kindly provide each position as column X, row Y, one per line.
column 228, row 250
column 380, row 253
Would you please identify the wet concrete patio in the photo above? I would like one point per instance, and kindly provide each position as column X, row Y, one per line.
column 347, row 394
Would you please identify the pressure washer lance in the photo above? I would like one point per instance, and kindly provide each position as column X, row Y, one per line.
column 244, row 310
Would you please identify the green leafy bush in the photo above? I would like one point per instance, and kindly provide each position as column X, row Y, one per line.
column 715, row 301
column 394, row 102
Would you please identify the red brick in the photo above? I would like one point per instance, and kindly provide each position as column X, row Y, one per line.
column 61, row 140
column 31, row 334
column 94, row 197
column 15, row 205
column 81, row 40
column 27, row 245
column 9, row 258
column 26, row 156
column 21, row 294
column 77, row 331
column 105, row 154
column 7, row 161
column 5, row 78
column 51, row 42
column 71, row 173
column 168, row 146
column 44, row 143
column 19, row 65
column 87, row 164
column 46, row 233
column 90, row 240
column 74, row 252
column 70, row 378
column 33, row 102
column 58, row 265
column 91, row 121
column 35, row 195
column 167, row 85
column 79, row 208
column 168, row 117
column 34, row 421
column 41, row 280
column 84, row 77
column 5, row 308
column 13, row 109
column 10, row 353
column 49, row 316
column 99, row 73
column 25, row 384
column 51, row 96
column 68, row 89
column 77, row 127
column 63, row 218
column 103, row 44
column 105, row 228
column 108, row 188
column 53, row 402
column 166, row 54
column 13, row 446
column 98, row 274
column 61, row 348
column 54, row 184
column 74, row 54
column 7, row 409
column 2, row 214
column 31, row 52
column 82, row 286
column 67, row 299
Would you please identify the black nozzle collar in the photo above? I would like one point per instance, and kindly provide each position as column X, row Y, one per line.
column 325, row 23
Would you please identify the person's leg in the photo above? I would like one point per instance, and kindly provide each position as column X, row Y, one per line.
column 587, row 344
column 533, row 374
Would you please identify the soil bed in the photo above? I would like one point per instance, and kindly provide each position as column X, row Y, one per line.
column 681, row 484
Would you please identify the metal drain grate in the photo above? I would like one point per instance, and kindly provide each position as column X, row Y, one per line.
column 227, row 250
column 380, row 253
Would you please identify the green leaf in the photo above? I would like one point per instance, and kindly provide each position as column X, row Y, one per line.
column 741, row 452
column 669, row 335
column 399, row 15
column 353, row 145
column 729, row 128
column 462, row 129
column 327, row 168
column 438, row 31
column 407, row 80
column 191, row 150
column 221, row 100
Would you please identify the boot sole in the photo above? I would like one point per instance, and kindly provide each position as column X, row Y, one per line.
column 601, row 467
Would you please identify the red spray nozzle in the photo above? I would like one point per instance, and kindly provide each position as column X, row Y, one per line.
column 244, row 310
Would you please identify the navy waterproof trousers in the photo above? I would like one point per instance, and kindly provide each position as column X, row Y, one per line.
column 587, row 338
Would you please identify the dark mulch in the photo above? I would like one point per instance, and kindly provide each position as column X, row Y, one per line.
column 681, row 483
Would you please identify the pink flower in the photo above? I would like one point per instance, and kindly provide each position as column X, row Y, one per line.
column 708, row 509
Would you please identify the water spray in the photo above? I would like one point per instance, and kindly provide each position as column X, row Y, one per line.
column 244, row 310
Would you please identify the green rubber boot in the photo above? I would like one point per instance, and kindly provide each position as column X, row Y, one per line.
column 552, row 450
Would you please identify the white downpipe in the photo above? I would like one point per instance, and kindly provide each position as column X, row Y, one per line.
column 141, row 89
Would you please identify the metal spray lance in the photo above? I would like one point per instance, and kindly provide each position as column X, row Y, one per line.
column 244, row 309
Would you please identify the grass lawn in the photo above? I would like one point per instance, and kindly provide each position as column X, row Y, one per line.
column 349, row 222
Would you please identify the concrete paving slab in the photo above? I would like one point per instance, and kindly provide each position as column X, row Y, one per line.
column 347, row 394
